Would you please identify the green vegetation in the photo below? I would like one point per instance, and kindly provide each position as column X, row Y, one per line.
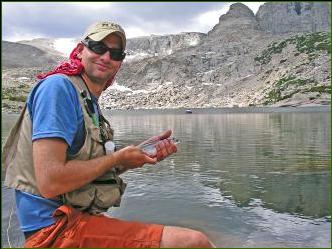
column 19, row 98
column 281, row 87
column 320, row 89
column 308, row 43
column 312, row 42
column 283, row 83
column 274, row 48
column 275, row 96
column 15, row 94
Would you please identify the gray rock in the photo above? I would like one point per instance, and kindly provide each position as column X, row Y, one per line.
column 238, row 18
column 293, row 17
column 22, row 55
column 46, row 45
column 149, row 46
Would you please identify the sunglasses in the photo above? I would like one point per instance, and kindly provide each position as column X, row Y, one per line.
column 100, row 48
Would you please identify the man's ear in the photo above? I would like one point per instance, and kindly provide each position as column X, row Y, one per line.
column 80, row 48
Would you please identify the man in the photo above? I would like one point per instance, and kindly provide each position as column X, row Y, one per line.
column 56, row 159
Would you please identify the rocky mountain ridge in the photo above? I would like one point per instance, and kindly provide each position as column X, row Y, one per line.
column 245, row 60
column 16, row 55
column 236, row 64
column 161, row 45
column 298, row 17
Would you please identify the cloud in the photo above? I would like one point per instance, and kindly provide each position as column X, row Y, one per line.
column 50, row 20
column 254, row 6
column 68, row 20
column 205, row 21
column 65, row 45
column 94, row 6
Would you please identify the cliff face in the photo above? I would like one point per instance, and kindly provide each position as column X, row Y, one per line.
column 281, row 18
column 277, row 57
column 150, row 46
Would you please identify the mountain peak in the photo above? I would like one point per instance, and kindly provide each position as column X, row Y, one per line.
column 237, row 10
column 238, row 17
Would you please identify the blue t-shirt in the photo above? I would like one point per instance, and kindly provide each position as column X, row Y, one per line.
column 55, row 111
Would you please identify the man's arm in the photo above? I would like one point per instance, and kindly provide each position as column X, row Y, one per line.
column 56, row 176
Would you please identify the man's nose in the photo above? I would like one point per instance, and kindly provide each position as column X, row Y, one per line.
column 106, row 56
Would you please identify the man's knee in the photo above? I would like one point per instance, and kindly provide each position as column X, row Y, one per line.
column 184, row 237
column 199, row 239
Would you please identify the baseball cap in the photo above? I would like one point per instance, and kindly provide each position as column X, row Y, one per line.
column 99, row 30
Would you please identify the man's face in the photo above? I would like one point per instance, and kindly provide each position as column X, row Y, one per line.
column 100, row 68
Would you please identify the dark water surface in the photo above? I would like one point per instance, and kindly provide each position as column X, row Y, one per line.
column 248, row 179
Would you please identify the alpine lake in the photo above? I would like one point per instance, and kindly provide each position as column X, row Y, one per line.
column 247, row 177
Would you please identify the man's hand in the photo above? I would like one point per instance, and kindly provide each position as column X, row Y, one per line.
column 164, row 135
column 165, row 146
column 132, row 157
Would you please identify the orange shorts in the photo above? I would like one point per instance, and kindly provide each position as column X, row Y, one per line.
column 77, row 229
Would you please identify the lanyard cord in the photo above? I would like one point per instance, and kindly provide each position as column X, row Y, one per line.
column 88, row 103
column 98, row 119
column 104, row 127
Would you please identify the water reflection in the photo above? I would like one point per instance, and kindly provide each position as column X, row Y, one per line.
column 281, row 158
column 301, row 194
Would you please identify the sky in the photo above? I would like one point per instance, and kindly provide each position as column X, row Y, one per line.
column 68, row 20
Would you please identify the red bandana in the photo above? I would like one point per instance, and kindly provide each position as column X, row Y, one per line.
column 71, row 67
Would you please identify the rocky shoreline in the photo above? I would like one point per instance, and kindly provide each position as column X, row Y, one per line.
column 13, row 107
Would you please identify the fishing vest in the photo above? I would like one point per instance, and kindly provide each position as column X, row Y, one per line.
column 96, row 196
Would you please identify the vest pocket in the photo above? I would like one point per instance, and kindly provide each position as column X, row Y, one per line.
column 94, row 198
column 97, row 196
column 81, row 198
column 107, row 195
